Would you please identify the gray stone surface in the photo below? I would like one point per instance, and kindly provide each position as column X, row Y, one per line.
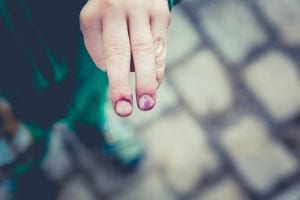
column 76, row 189
column 274, row 79
column 285, row 17
column 182, row 37
column 57, row 163
column 227, row 188
column 260, row 159
column 293, row 193
column 166, row 99
column 203, row 84
column 150, row 187
column 178, row 146
column 230, row 25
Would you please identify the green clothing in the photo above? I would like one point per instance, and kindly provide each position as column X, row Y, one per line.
column 50, row 79
column 50, row 60
column 46, row 72
column 172, row 3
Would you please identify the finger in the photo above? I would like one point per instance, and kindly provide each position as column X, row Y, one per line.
column 117, row 61
column 159, row 25
column 143, row 56
column 90, row 25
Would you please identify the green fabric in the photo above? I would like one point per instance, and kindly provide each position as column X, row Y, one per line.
column 88, row 88
column 75, row 87
column 87, row 104
column 86, row 107
column 89, row 81
column 173, row 3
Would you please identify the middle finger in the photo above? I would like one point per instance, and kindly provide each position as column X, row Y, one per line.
column 142, row 49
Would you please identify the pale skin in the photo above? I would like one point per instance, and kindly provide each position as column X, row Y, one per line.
column 123, row 36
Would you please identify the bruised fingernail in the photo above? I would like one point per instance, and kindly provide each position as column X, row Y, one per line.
column 146, row 102
column 123, row 108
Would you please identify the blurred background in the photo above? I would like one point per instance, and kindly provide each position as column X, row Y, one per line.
column 227, row 122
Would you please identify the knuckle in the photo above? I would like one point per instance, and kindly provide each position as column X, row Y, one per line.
column 110, row 4
column 162, row 12
column 141, row 48
column 119, row 89
column 115, row 53
column 137, row 4
column 87, row 18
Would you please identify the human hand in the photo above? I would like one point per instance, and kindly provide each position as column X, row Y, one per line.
column 123, row 36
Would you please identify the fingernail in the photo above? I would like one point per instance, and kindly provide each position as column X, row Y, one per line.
column 123, row 108
column 146, row 102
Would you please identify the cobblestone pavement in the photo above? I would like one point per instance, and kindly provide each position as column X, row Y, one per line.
column 227, row 123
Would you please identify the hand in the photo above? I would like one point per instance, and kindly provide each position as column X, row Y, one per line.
column 123, row 36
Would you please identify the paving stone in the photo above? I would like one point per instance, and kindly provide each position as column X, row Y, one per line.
column 182, row 37
column 291, row 136
column 192, row 4
column 178, row 147
column 76, row 189
column 5, row 191
column 166, row 99
column 57, row 162
column 232, row 28
column 285, row 16
column 149, row 188
column 225, row 189
column 293, row 193
column 203, row 83
column 261, row 160
column 274, row 79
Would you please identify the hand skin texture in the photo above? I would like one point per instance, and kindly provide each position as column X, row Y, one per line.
column 123, row 36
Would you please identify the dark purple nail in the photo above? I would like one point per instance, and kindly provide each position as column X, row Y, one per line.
column 146, row 102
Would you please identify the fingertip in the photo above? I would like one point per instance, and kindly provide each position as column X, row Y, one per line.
column 123, row 108
column 146, row 102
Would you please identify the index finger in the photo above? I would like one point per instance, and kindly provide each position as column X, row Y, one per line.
column 117, row 59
